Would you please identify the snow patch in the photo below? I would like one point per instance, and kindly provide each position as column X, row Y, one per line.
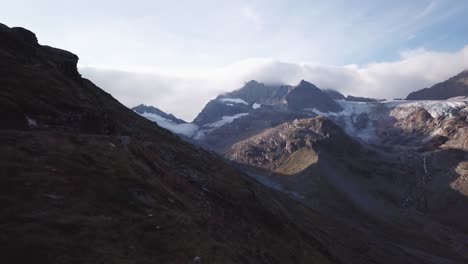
column 435, row 108
column 186, row 129
column 201, row 133
column 233, row 100
column 226, row 120
column 256, row 106
column 399, row 109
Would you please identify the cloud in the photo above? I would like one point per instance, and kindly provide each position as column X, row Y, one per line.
column 252, row 16
column 184, row 92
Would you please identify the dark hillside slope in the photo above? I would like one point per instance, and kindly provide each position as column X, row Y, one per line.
column 42, row 84
column 83, row 179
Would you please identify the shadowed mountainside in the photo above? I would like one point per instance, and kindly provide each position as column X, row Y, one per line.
column 86, row 180
column 453, row 87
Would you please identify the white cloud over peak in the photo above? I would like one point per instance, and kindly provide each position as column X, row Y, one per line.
column 184, row 92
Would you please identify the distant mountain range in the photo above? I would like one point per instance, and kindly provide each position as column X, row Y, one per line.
column 354, row 158
column 238, row 115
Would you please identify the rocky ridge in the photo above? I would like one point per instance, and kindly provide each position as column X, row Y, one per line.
column 453, row 87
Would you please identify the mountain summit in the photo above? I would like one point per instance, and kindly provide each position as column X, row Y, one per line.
column 255, row 92
column 307, row 95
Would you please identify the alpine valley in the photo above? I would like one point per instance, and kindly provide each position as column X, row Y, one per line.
column 268, row 174
column 390, row 176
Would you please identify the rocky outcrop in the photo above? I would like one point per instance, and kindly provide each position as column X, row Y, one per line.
column 222, row 138
column 453, row 87
column 429, row 125
column 42, row 89
column 30, row 52
column 292, row 147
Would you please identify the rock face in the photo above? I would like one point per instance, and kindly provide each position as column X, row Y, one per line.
column 292, row 147
column 220, row 139
column 84, row 180
column 453, row 87
column 31, row 52
column 141, row 109
column 307, row 95
column 429, row 124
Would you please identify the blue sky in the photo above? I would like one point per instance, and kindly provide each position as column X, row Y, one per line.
column 213, row 33
column 177, row 44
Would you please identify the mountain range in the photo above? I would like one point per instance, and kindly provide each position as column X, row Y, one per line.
column 264, row 174
column 248, row 111
column 386, row 165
